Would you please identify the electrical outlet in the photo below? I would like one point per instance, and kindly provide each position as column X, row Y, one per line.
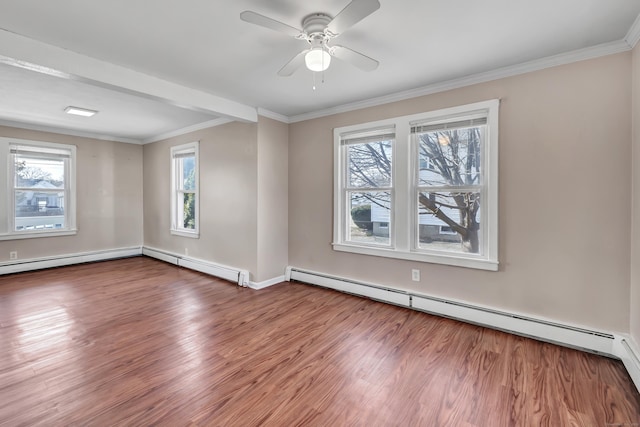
column 186, row 251
column 13, row 255
column 415, row 275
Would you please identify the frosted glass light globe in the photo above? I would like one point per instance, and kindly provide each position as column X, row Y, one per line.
column 317, row 59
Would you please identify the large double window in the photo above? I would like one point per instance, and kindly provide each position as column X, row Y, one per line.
column 39, row 189
column 420, row 187
column 184, row 190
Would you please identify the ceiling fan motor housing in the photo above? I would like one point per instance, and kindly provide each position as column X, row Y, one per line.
column 315, row 23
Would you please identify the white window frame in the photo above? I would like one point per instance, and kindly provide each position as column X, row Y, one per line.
column 404, row 202
column 346, row 189
column 7, row 187
column 176, row 174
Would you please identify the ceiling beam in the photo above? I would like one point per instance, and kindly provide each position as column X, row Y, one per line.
column 20, row 51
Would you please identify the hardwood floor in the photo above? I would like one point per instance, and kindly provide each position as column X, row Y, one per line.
column 140, row 342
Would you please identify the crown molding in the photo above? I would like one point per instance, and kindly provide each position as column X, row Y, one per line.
column 500, row 73
column 275, row 116
column 156, row 138
column 70, row 132
column 633, row 35
column 188, row 129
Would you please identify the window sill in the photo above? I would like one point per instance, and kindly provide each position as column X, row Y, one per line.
column 37, row 234
column 192, row 235
column 446, row 259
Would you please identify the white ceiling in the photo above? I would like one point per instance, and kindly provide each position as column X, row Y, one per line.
column 32, row 97
column 217, row 64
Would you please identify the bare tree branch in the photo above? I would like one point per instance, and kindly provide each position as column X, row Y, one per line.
column 434, row 208
column 453, row 160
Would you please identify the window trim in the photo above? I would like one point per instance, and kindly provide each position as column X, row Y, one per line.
column 341, row 190
column 405, row 187
column 192, row 147
column 7, row 188
column 368, row 135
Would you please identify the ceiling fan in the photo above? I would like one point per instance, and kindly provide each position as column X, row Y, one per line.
column 318, row 29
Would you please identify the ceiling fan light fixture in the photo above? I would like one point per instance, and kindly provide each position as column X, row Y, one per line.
column 317, row 59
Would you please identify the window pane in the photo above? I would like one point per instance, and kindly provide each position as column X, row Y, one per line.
column 369, row 217
column 189, row 209
column 450, row 157
column 369, row 164
column 39, row 210
column 188, row 177
column 449, row 221
column 39, row 173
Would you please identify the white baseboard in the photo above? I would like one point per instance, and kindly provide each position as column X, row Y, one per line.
column 600, row 342
column 23, row 265
column 232, row 274
column 541, row 329
column 162, row 256
column 629, row 353
column 266, row 283
column 369, row 290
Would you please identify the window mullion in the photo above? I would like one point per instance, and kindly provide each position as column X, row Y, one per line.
column 449, row 189
column 39, row 190
column 401, row 194
column 368, row 189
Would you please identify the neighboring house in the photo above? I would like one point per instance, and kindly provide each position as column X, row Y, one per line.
column 432, row 229
column 42, row 207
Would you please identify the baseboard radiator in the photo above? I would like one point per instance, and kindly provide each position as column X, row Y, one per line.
column 630, row 356
column 543, row 330
column 239, row 276
column 31, row 264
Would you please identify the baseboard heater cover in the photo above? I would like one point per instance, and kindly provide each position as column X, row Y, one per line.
column 239, row 276
column 630, row 356
column 32, row 264
column 372, row 291
column 566, row 335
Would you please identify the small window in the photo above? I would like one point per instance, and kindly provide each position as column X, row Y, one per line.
column 184, row 190
column 444, row 229
column 426, row 163
column 40, row 188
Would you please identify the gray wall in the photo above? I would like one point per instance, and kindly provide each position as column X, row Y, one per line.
column 109, row 198
column 635, row 226
column 565, row 147
column 273, row 218
column 228, row 196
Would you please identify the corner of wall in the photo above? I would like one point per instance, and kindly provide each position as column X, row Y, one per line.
column 272, row 199
column 634, row 290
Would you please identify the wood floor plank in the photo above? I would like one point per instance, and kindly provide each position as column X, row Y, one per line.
column 138, row 342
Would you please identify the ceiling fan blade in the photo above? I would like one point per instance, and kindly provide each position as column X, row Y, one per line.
column 354, row 12
column 355, row 58
column 295, row 63
column 272, row 24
